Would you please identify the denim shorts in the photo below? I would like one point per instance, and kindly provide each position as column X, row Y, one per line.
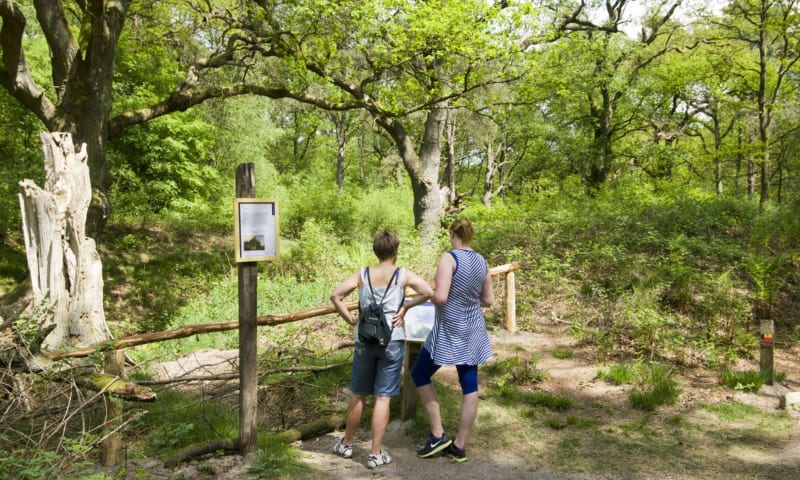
column 376, row 370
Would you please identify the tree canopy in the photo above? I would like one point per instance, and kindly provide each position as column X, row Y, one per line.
column 591, row 90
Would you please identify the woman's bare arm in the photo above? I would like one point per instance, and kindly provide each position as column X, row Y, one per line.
column 343, row 290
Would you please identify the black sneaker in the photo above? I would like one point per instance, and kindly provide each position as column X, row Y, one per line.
column 457, row 454
column 434, row 445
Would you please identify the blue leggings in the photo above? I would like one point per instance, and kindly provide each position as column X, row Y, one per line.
column 424, row 368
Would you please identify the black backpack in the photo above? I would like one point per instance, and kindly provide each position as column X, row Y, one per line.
column 372, row 325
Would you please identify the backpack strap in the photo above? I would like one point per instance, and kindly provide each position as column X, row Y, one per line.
column 397, row 282
column 369, row 282
column 395, row 277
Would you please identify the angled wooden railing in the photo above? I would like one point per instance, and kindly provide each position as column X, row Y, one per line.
column 266, row 320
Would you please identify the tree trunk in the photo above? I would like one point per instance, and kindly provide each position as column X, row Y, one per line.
column 422, row 168
column 717, row 134
column 450, row 158
column 85, row 90
column 65, row 269
column 340, row 120
column 491, row 169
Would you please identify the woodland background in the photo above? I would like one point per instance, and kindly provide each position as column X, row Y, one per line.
column 638, row 159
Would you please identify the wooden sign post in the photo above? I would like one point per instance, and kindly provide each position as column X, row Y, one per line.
column 248, row 331
column 256, row 237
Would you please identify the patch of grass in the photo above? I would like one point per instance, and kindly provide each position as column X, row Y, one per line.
column 569, row 446
column 529, row 413
column 731, row 411
column 563, row 352
column 582, row 422
column 618, row 374
column 556, row 423
column 277, row 460
column 743, row 380
column 655, row 385
column 740, row 425
column 511, row 394
column 179, row 419
column 547, row 400
column 676, row 421
column 514, row 371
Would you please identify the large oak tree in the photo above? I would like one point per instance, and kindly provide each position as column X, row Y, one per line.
column 405, row 63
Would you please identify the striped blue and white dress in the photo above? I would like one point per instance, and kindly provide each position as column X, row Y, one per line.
column 459, row 334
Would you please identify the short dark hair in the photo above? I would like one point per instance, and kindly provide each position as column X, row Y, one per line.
column 462, row 229
column 385, row 245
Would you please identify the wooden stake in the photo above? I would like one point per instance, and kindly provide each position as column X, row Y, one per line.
column 767, row 351
column 113, row 445
column 511, row 303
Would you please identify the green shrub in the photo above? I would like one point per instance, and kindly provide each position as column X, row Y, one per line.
column 41, row 464
column 338, row 211
column 556, row 423
column 311, row 256
column 386, row 209
column 514, row 371
column 656, row 387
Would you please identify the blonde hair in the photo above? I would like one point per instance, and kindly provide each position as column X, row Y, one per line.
column 463, row 229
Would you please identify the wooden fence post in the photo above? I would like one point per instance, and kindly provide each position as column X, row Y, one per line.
column 113, row 445
column 248, row 330
column 511, row 302
column 767, row 351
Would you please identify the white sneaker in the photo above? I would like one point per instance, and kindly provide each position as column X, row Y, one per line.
column 374, row 461
column 339, row 448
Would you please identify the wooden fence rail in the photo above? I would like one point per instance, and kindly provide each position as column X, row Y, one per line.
column 264, row 320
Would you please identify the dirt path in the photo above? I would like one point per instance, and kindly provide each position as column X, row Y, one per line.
column 406, row 465
column 576, row 378
column 599, row 438
column 482, row 464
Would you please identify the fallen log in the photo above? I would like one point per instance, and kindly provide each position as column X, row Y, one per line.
column 117, row 387
column 227, row 445
column 304, row 432
column 235, row 376
column 313, row 429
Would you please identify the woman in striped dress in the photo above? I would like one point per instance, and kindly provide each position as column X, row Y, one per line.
column 459, row 337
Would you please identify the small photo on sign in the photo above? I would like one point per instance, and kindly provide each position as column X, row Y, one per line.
column 256, row 242
column 419, row 322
